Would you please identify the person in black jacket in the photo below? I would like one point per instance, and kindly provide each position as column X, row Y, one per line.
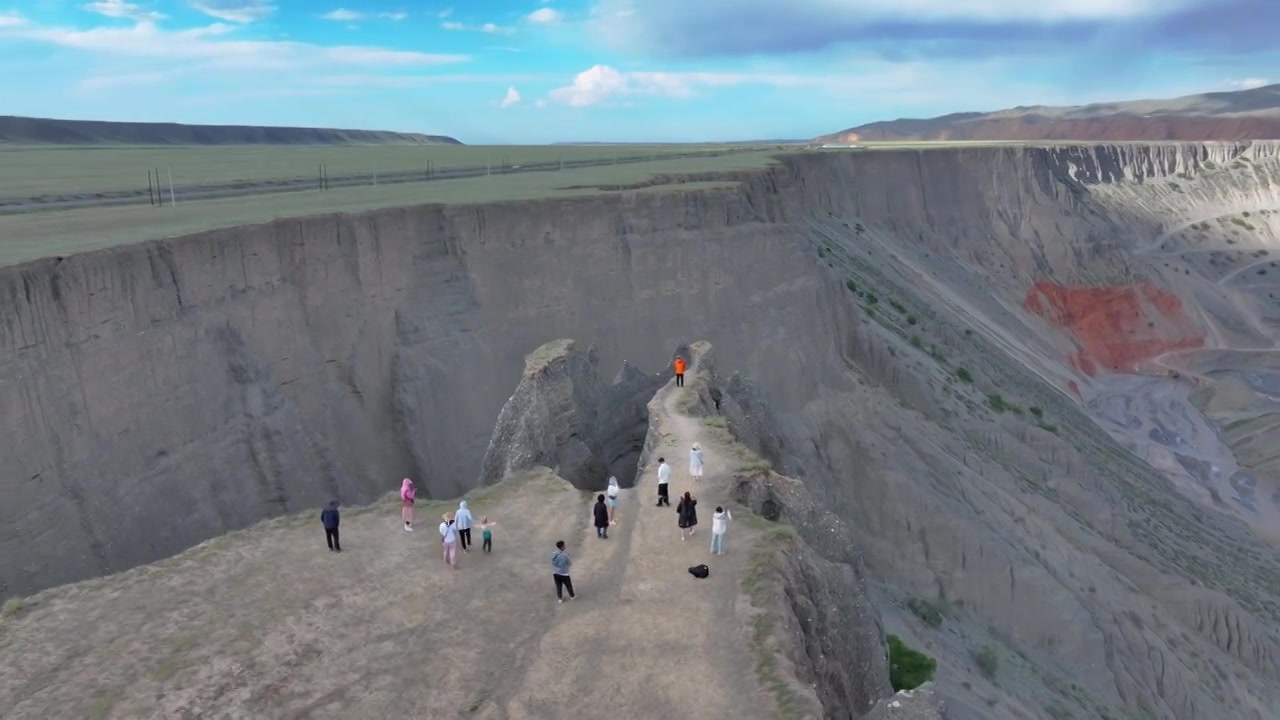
column 687, row 516
column 329, row 518
column 602, row 517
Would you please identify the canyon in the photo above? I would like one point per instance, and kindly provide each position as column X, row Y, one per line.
column 1032, row 387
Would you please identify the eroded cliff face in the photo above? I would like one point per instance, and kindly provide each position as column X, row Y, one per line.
column 159, row 394
column 156, row 395
column 563, row 417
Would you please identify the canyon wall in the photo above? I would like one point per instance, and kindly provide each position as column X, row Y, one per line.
column 156, row 395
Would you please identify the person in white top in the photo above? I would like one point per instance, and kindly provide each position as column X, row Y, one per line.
column 613, row 492
column 449, row 541
column 695, row 462
column 664, row 477
column 719, row 524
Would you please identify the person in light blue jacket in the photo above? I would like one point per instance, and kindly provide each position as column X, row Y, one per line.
column 464, row 520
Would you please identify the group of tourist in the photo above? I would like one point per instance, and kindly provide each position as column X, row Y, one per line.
column 455, row 527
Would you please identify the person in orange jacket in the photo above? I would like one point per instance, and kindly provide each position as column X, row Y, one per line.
column 679, row 367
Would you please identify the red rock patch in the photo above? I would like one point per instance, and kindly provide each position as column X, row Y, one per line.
column 1116, row 327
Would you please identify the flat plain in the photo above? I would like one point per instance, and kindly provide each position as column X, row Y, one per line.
column 29, row 171
column 35, row 235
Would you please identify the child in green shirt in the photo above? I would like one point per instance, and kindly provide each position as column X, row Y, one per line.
column 486, row 534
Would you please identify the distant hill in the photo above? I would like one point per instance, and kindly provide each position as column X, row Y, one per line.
column 1238, row 115
column 45, row 131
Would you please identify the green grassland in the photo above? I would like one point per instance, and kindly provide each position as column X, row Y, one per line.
column 45, row 234
column 28, row 171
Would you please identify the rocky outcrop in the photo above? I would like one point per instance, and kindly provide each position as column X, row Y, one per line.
column 922, row 703
column 563, row 417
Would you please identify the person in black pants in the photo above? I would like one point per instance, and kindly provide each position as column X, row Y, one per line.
column 329, row 518
column 602, row 518
column 560, row 564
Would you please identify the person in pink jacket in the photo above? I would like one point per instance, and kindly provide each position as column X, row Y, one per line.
column 406, row 504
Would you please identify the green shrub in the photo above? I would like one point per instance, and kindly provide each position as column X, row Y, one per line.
column 1049, row 427
column 908, row 668
column 916, row 341
column 962, row 373
column 872, row 299
column 997, row 402
column 911, row 319
column 988, row 662
column 897, row 306
column 1210, row 165
column 853, row 287
column 929, row 612
column 1036, row 411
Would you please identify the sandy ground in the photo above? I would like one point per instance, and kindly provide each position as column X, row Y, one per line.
column 266, row 623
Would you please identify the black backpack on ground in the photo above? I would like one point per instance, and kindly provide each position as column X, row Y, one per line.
column 700, row 571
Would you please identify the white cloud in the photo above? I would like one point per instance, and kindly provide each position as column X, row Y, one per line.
column 511, row 98
column 370, row 80
column 121, row 9
column 215, row 46
column 345, row 15
column 543, row 16
column 1248, row 83
column 540, row 103
column 602, row 83
column 235, row 11
column 11, row 20
column 342, row 15
column 485, row 28
column 444, row 13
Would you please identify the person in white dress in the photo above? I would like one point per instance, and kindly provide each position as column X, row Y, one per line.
column 613, row 492
column 695, row 462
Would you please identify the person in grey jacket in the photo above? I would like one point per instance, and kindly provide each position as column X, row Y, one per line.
column 464, row 520
column 560, row 564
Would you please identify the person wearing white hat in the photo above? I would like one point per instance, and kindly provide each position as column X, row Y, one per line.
column 695, row 462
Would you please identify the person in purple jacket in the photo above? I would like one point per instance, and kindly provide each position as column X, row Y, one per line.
column 329, row 518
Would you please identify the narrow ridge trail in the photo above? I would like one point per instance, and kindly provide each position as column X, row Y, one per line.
column 267, row 623
column 644, row 637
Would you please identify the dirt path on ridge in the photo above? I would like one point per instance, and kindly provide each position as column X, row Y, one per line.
column 266, row 623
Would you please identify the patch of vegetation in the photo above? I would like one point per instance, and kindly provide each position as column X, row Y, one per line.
column 997, row 402
column 911, row 319
column 908, row 668
column 916, row 341
column 929, row 611
column 872, row 299
column 1209, row 165
column 1242, row 223
column 1039, row 413
column 1050, row 427
column 988, row 662
column 853, row 287
column 897, row 306
column 1175, row 186
column 869, row 311
column 12, row 607
column 963, row 374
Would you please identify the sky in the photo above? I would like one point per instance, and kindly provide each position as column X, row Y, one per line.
column 535, row 71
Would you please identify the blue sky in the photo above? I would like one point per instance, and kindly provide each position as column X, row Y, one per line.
column 532, row 71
